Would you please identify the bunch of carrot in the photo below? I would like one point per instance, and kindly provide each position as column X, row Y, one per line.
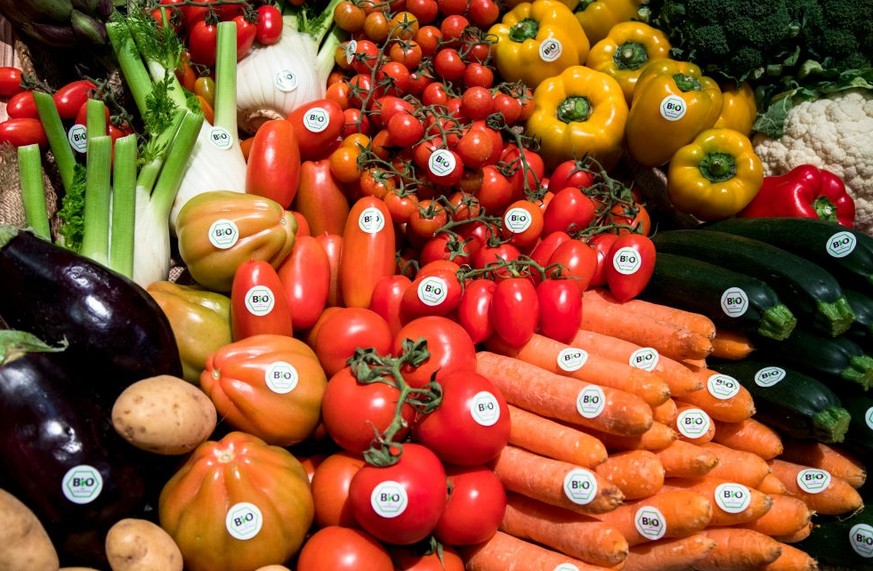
column 627, row 452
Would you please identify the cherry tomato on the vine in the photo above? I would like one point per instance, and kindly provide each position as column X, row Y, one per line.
column 474, row 311
column 246, row 32
column 71, row 96
column 269, row 25
column 602, row 244
column 515, row 310
column 523, row 223
column 202, row 42
column 449, row 345
column 578, row 261
column 10, row 80
column 569, row 210
column 560, row 309
column 23, row 131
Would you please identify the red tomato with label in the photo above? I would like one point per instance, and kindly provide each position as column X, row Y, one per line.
column 560, row 309
column 343, row 549
column 579, row 261
column 258, row 302
column 602, row 244
column 71, row 96
column 368, row 250
column 570, row 173
column 269, row 25
column 449, row 345
column 273, row 166
column 402, row 503
column 330, row 488
column 476, row 505
column 474, row 311
column 387, row 295
column 318, row 125
column 523, row 224
column 569, row 210
column 515, row 310
column 434, row 292
column 305, row 278
column 630, row 264
column 411, row 558
column 346, row 329
column 471, row 425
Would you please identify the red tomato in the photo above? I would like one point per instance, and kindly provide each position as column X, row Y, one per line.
column 387, row 106
column 343, row 331
column 630, row 264
column 579, row 261
column 546, row 247
column 10, row 81
column 305, row 278
column 368, row 250
column 635, row 216
column 387, row 295
column 569, row 210
column 449, row 345
column 483, row 13
column 492, row 255
column 477, row 74
column 332, row 244
column 320, row 199
column 71, row 96
column 406, row 52
column 405, row 129
column 410, row 558
column 602, row 244
column 364, row 56
column 269, row 25
column 258, row 301
column 425, row 11
column 528, row 170
column 495, row 190
column 515, row 310
column 246, row 32
column 508, row 106
column 476, row 505
column 402, row 503
column 343, row 549
column 570, row 173
column 435, row 292
column 273, row 167
column 449, row 65
column 474, row 311
column 471, row 425
column 330, row 489
column 560, row 309
column 445, row 246
column 475, row 148
column 318, row 126
column 477, row 103
column 202, row 42
column 395, row 78
column 523, row 223
column 22, row 104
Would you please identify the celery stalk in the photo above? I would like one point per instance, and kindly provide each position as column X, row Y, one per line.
column 95, row 242
column 95, row 118
column 123, row 206
column 33, row 190
column 57, row 137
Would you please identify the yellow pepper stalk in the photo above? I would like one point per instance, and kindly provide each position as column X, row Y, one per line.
column 579, row 112
column 738, row 109
column 599, row 16
column 536, row 40
column 672, row 103
column 715, row 176
column 624, row 52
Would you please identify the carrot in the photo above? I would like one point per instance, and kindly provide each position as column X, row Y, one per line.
column 570, row 533
column 772, row 485
column 562, row 359
column 555, row 440
column 693, row 424
column 787, row 515
column 677, row 375
column 721, row 398
column 673, row 554
column 685, row 460
column 665, row 412
column 750, row 435
column 657, row 437
column 738, row 466
column 792, row 559
column 637, row 473
column 555, row 482
column 823, row 492
column 669, row 513
column 738, row 548
column 826, row 457
column 732, row 503
column 680, row 317
column 797, row 536
column 731, row 345
column 504, row 552
column 555, row 396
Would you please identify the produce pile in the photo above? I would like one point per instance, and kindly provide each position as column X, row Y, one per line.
column 437, row 284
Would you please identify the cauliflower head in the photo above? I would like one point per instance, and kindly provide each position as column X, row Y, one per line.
column 834, row 133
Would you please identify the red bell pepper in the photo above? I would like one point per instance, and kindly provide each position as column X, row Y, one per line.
column 806, row 191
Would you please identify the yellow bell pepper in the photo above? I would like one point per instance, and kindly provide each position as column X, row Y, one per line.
column 536, row 40
column 624, row 52
column 599, row 16
column 579, row 112
column 738, row 109
column 715, row 176
column 672, row 103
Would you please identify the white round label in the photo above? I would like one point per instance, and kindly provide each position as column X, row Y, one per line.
column 316, row 119
column 351, row 48
column 371, row 220
column 580, row 486
column 693, row 423
column 260, row 300
column 672, row 108
column 813, row 480
column 389, row 499
column 517, row 220
column 550, row 50
column 485, row 409
column 769, row 376
column 432, row 290
column 572, row 359
column 590, row 401
column 841, row 244
column 441, row 162
column 243, row 521
column 78, row 138
column 732, row 498
column 645, row 358
column 220, row 137
column 868, row 417
column 281, row 377
column 861, row 539
column 722, row 387
column 223, row 234
column 82, row 484
column 566, row 567
column 650, row 523
column 285, row 80
column 734, row 302
column 626, row 261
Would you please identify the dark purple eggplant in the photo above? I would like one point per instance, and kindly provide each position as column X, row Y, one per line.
column 111, row 324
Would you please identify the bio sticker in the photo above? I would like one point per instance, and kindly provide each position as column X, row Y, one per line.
column 590, row 401
column 243, row 521
column 722, row 387
column 572, row 359
column 351, row 48
column 672, row 108
column 432, row 290
column 650, row 523
column 769, row 376
column 260, row 300
column 645, row 358
column 734, row 302
column 220, row 138
column 78, row 138
column 285, row 80
column 841, row 244
column 693, row 423
column 371, row 220
column 281, row 377
column 82, row 484
column 485, row 409
column 813, row 480
column 441, row 162
column 861, row 539
column 580, row 486
column 389, row 499
column 566, row 567
column 517, row 220
column 626, row 261
column 550, row 50
column 316, row 119
column 868, row 417
column 732, row 498
column 223, row 234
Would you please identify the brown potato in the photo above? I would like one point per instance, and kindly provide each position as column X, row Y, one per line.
column 24, row 543
column 140, row 545
column 164, row 415
column 273, row 568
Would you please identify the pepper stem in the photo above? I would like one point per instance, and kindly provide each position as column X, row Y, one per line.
column 825, row 209
column 630, row 55
column 686, row 82
column 525, row 30
column 718, row 167
column 575, row 108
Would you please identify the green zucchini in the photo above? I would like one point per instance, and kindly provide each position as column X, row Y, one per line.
column 731, row 299
column 837, row 361
column 793, row 403
column 860, row 434
column 846, row 542
column 844, row 252
column 811, row 293
column 861, row 330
